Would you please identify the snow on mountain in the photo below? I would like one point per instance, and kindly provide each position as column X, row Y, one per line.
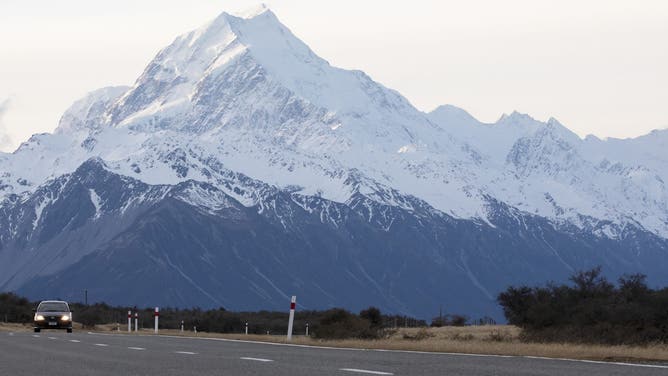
column 87, row 113
column 202, row 247
column 545, row 169
column 495, row 140
column 250, row 95
column 241, row 168
column 243, row 95
column 259, row 56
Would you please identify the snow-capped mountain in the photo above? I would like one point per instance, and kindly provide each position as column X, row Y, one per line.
column 253, row 149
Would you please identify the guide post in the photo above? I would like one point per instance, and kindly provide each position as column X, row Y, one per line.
column 293, row 303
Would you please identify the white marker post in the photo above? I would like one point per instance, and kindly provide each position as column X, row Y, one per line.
column 156, row 314
column 181, row 326
column 293, row 304
column 136, row 322
column 307, row 329
column 246, row 328
column 129, row 321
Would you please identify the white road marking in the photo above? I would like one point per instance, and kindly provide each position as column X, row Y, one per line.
column 600, row 362
column 36, row 335
column 256, row 359
column 136, row 348
column 11, row 334
column 431, row 353
column 185, row 352
column 53, row 338
column 365, row 371
column 101, row 344
column 75, row 340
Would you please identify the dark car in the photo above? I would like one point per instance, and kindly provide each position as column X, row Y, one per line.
column 53, row 314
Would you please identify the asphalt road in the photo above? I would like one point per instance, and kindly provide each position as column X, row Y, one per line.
column 80, row 353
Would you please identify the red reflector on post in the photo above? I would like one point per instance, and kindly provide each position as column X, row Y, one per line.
column 292, row 305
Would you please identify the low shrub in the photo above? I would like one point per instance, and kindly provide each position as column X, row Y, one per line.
column 591, row 310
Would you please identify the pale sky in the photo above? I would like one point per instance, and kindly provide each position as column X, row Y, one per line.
column 599, row 66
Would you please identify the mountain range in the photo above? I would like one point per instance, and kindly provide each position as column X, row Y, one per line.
column 241, row 168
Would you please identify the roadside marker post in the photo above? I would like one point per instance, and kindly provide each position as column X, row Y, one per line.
column 181, row 326
column 156, row 314
column 307, row 329
column 293, row 304
column 246, row 328
column 136, row 322
column 129, row 321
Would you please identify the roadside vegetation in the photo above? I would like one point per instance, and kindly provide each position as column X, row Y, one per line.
column 591, row 310
column 334, row 323
column 368, row 329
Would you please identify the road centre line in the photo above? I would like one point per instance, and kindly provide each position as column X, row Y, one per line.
column 256, row 359
column 355, row 370
column 101, row 344
column 75, row 340
column 600, row 362
column 136, row 348
column 185, row 352
column 432, row 353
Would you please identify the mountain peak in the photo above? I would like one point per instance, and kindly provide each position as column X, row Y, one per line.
column 207, row 69
column 260, row 13
column 562, row 131
column 516, row 117
column 253, row 12
column 452, row 116
column 450, row 109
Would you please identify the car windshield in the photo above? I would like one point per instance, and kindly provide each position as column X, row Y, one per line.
column 53, row 307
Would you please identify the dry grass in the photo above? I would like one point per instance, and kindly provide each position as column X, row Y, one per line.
column 493, row 340
column 12, row 327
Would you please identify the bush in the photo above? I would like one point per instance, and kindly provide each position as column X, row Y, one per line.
column 340, row 324
column 449, row 320
column 336, row 323
column 591, row 310
column 373, row 316
column 14, row 308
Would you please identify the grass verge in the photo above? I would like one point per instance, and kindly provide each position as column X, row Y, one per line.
column 487, row 340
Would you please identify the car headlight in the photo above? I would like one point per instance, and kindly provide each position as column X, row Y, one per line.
column 39, row 318
column 65, row 318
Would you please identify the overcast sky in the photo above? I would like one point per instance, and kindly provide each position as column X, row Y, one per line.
column 599, row 66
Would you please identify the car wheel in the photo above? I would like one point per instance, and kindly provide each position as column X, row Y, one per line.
column 69, row 330
column 37, row 330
